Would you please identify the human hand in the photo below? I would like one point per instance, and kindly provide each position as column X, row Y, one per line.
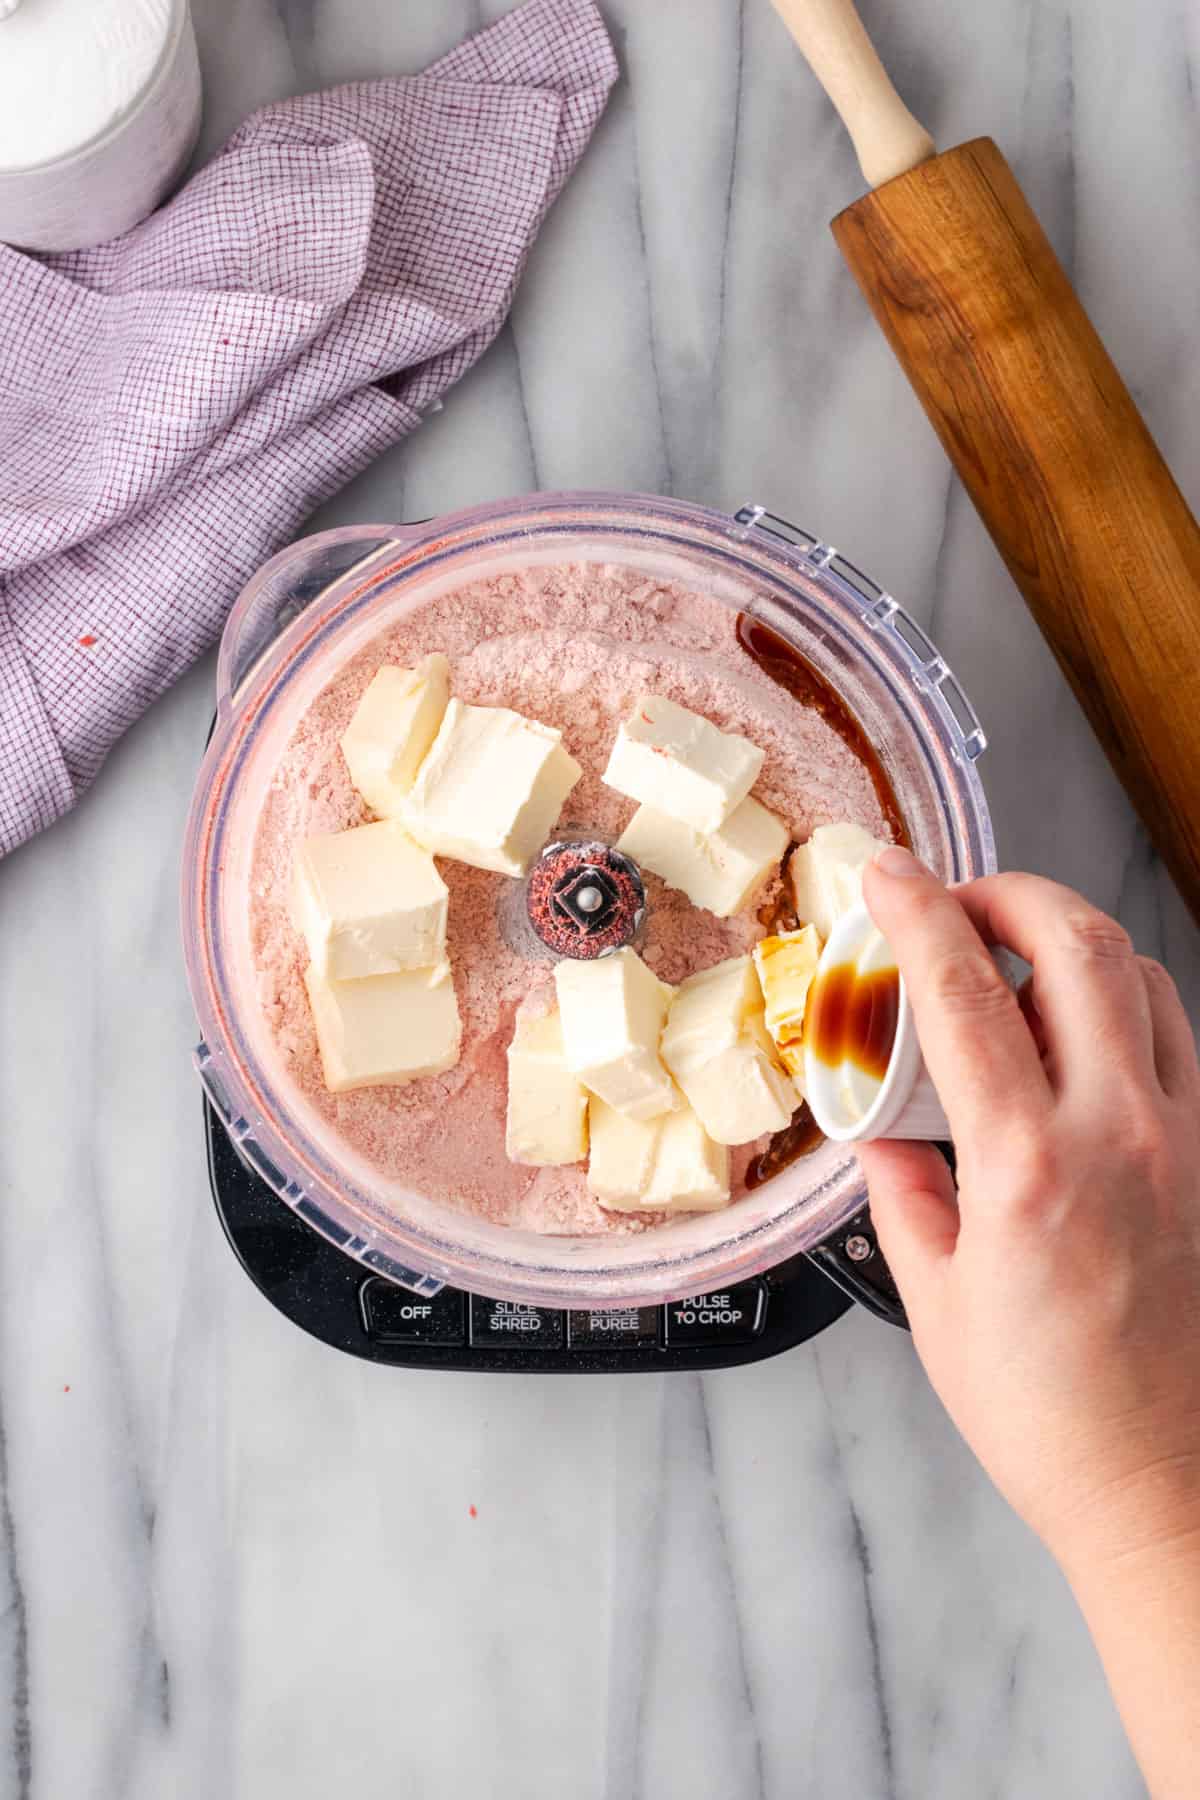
column 1056, row 1305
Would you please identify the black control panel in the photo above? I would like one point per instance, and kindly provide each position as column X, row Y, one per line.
column 335, row 1299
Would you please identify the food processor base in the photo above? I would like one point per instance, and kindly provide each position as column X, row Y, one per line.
column 335, row 1299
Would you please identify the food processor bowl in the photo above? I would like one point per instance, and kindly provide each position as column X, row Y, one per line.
column 320, row 602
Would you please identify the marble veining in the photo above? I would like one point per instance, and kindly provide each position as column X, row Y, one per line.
column 234, row 1564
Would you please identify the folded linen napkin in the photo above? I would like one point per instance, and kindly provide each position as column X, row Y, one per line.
column 173, row 404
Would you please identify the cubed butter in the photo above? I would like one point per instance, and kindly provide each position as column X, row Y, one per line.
column 786, row 965
column 716, row 1046
column 393, row 726
column 369, row 902
column 681, row 764
column 547, row 1104
column 491, row 788
column 710, row 1010
column 740, row 1093
column 826, row 873
column 668, row 1164
column 720, row 870
column 612, row 1018
column 691, row 1172
column 621, row 1155
column 385, row 1030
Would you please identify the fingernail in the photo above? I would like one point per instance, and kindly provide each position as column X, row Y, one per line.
column 897, row 861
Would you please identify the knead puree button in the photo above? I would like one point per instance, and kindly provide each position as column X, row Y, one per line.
column 733, row 1316
column 393, row 1315
column 505, row 1325
column 614, row 1327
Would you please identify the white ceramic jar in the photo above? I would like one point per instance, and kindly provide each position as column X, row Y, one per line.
column 99, row 114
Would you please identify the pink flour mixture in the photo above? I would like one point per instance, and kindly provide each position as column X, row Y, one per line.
column 572, row 646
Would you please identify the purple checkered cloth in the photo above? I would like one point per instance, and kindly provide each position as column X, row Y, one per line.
column 173, row 405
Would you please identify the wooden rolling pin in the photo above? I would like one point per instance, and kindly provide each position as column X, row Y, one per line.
column 1038, row 423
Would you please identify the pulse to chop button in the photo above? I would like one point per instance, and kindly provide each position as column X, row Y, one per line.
column 732, row 1316
column 393, row 1315
column 505, row 1325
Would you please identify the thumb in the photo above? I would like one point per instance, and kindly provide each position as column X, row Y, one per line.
column 915, row 1212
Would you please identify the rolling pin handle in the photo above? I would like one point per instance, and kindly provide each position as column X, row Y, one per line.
column 888, row 141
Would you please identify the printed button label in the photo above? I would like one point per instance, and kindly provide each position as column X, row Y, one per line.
column 615, row 1327
column 733, row 1316
column 392, row 1315
column 501, row 1322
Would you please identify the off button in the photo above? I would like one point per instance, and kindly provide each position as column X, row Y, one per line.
column 732, row 1316
column 505, row 1325
column 394, row 1315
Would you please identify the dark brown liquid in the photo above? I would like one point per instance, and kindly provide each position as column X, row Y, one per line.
column 852, row 1017
column 776, row 657
column 798, row 1139
column 785, row 665
column 779, row 912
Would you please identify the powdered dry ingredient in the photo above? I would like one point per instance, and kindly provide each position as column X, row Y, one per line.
column 571, row 645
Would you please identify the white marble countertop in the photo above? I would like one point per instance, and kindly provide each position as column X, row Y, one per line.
column 236, row 1564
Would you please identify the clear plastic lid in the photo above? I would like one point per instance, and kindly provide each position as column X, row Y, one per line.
column 312, row 608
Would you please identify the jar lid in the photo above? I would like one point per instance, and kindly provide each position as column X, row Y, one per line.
column 71, row 69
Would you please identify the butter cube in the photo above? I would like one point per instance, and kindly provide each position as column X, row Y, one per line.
column 491, row 788
column 721, row 869
column 680, row 764
column 668, row 1164
column 384, row 1030
column 612, row 1018
column 691, row 1172
column 826, row 873
column 740, row 1093
column 710, row 1010
column 393, row 726
column 547, row 1104
column 621, row 1159
column 369, row 902
column 718, row 1049
column 786, row 965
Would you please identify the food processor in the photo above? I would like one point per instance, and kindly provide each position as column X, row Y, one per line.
column 385, row 1272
